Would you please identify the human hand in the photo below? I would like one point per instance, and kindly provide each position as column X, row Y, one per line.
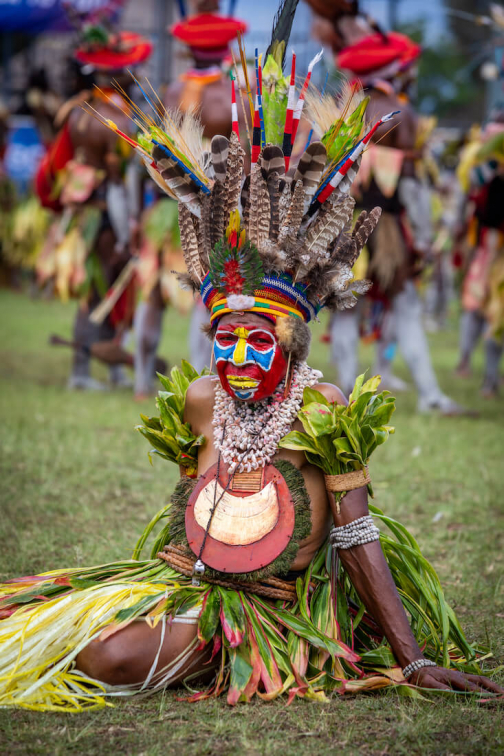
column 440, row 678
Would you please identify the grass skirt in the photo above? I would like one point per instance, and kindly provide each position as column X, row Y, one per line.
column 323, row 643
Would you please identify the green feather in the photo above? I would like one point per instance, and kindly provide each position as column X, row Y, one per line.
column 275, row 91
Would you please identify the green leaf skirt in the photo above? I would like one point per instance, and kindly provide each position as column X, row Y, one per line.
column 324, row 643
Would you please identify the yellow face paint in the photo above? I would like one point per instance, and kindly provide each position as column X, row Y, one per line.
column 241, row 345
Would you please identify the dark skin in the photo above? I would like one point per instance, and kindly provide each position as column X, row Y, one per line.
column 127, row 656
column 96, row 145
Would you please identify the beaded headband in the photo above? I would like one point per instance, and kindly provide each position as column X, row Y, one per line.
column 276, row 298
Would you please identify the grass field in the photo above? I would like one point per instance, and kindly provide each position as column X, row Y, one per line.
column 76, row 488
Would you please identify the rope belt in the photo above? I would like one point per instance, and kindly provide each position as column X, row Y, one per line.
column 272, row 587
column 348, row 481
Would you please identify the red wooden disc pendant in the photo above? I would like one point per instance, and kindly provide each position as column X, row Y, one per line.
column 243, row 558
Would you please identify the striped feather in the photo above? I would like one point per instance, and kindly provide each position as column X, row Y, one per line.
column 220, row 150
column 218, row 208
column 234, row 173
column 274, row 197
column 285, row 200
column 157, row 178
column 292, row 221
column 365, row 225
column 245, row 201
column 206, row 232
column 329, row 224
column 310, row 167
column 259, row 221
column 273, row 160
column 179, row 182
column 189, row 242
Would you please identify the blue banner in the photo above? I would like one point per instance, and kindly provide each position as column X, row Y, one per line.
column 24, row 151
column 35, row 16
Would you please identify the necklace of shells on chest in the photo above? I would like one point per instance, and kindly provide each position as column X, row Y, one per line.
column 246, row 434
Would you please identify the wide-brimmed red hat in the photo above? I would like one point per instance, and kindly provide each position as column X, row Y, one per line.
column 378, row 51
column 121, row 50
column 207, row 31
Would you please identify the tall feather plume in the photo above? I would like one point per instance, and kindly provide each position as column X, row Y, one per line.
column 157, row 178
column 345, row 300
column 180, row 183
column 190, row 133
column 310, row 168
column 328, row 226
column 220, row 149
column 218, row 209
column 274, row 197
column 206, row 232
column 245, row 201
column 259, row 221
column 282, row 25
column 365, row 225
column 285, row 200
column 348, row 248
column 189, row 240
column 292, row 221
column 234, row 172
column 206, row 165
column 273, row 160
column 324, row 111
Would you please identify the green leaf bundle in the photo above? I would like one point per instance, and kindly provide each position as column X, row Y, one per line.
column 170, row 437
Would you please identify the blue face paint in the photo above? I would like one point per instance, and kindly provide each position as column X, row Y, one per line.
column 253, row 352
column 242, row 352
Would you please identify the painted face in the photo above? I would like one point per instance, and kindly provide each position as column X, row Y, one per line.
column 250, row 362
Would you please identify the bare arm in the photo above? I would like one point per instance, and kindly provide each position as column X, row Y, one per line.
column 369, row 572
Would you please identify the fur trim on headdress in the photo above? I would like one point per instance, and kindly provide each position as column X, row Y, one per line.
column 294, row 336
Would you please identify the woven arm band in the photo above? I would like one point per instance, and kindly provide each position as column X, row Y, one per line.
column 414, row 666
column 354, row 533
column 347, row 481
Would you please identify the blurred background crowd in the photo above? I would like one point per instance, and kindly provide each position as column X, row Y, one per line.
column 82, row 220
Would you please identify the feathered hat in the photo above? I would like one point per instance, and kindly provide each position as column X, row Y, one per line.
column 207, row 30
column 379, row 54
column 102, row 47
column 281, row 241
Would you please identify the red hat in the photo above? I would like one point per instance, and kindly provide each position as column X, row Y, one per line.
column 208, row 31
column 379, row 51
column 119, row 51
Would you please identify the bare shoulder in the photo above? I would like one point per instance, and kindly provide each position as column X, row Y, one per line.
column 331, row 392
column 199, row 399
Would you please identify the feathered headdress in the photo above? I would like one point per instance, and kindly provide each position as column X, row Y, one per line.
column 280, row 241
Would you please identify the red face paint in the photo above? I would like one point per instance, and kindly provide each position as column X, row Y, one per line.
column 249, row 360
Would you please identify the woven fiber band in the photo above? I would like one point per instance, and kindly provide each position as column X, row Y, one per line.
column 271, row 587
column 347, row 481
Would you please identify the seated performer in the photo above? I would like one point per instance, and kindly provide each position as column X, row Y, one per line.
column 245, row 588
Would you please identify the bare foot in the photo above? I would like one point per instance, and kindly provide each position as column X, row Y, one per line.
column 489, row 393
column 463, row 371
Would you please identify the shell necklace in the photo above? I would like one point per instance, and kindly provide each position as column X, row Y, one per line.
column 254, row 429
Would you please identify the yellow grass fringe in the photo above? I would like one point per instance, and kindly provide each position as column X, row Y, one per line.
column 39, row 645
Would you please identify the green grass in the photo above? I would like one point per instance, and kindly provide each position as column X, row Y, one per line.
column 77, row 488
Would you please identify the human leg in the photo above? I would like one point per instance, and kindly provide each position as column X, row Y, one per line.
column 200, row 348
column 141, row 655
column 412, row 342
column 471, row 327
column 344, row 329
column 85, row 333
column 385, row 352
column 493, row 354
column 148, row 324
